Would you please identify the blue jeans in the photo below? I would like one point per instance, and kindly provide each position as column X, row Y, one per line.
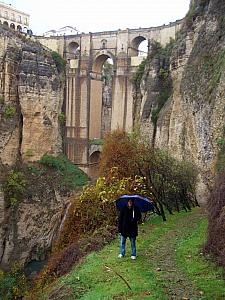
column 123, row 245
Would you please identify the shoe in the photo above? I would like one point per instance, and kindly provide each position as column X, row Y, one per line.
column 120, row 255
column 133, row 257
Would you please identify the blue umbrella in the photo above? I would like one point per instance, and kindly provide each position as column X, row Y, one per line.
column 144, row 204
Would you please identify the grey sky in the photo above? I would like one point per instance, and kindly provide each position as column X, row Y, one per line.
column 100, row 15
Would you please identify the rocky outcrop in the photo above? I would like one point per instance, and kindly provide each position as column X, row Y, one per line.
column 29, row 226
column 192, row 121
column 31, row 97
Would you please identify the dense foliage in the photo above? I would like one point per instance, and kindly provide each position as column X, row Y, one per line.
column 13, row 284
column 216, row 215
column 170, row 182
column 14, row 187
column 120, row 152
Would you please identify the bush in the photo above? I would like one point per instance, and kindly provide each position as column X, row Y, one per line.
column 59, row 61
column 62, row 118
column 9, row 111
column 13, row 284
column 172, row 182
column 14, row 187
column 216, row 216
column 137, row 77
column 121, row 152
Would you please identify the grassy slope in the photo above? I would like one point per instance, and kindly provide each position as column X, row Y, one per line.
column 173, row 247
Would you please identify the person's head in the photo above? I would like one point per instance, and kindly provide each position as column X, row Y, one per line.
column 130, row 203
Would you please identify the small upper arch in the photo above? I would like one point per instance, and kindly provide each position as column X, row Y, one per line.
column 135, row 43
column 73, row 49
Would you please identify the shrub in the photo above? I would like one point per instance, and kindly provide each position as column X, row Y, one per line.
column 59, row 61
column 72, row 176
column 137, row 77
column 121, row 152
column 9, row 111
column 216, row 216
column 62, row 118
column 14, row 187
column 172, row 182
column 13, row 284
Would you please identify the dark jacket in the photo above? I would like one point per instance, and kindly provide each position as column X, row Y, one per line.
column 127, row 223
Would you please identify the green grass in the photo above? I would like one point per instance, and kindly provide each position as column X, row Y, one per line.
column 72, row 176
column 168, row 263
column 200, row 270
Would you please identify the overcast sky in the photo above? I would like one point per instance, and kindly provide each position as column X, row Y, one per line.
column 100, row 15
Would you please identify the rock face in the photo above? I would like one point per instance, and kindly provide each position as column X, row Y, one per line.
column 28, row 229
column 31, row 97
column 191, row 122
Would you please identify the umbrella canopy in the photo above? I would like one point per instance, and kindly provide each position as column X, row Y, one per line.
column 144, row 204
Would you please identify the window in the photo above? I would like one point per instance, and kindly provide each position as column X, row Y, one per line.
column 19, row 19
column 12, row 17
column 26, row 21
column 6, row 14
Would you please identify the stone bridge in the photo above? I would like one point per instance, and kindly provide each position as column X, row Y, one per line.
column 86, row 54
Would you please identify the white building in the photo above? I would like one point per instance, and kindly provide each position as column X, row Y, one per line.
column 66, row 30
column 14, row 18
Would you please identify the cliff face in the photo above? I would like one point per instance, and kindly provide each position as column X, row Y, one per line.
column 191, row 122
column 31, row 100
column 31, row 96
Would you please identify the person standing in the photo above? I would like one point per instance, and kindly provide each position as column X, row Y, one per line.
column 128, row 228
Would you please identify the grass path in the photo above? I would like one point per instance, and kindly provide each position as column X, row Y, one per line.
column 169, row 265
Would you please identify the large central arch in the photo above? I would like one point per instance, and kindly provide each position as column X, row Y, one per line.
column 95, row 127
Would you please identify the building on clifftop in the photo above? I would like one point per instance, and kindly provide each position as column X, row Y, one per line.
column 14, row 18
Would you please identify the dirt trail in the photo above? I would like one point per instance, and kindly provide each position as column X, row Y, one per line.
column 175, row 282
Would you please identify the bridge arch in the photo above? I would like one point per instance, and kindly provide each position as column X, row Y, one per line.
column 94, row 160
column 73, row 49
column 95, row 157
column 135, row 46
column 97, row 114
column 100, row 58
